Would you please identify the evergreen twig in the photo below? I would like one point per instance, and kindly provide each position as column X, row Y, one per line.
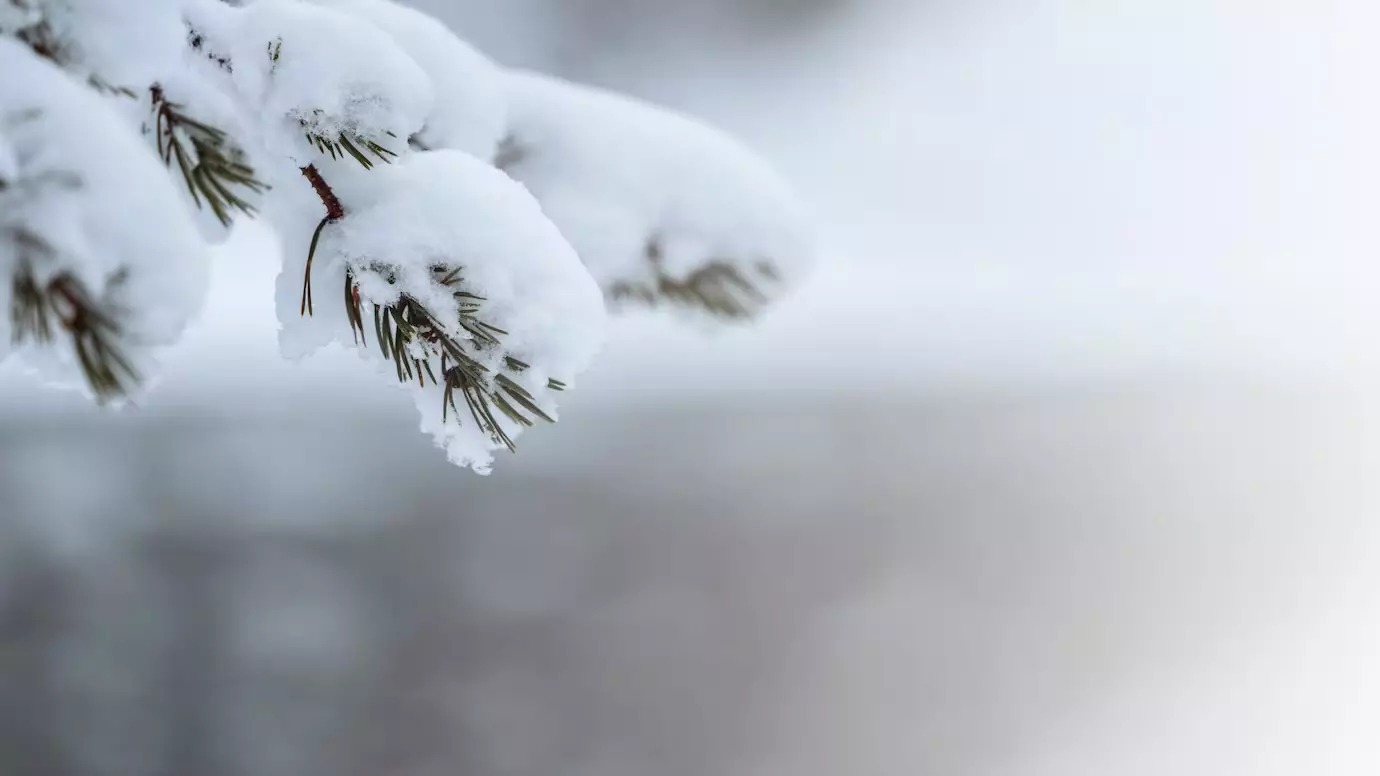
column 409, row 335
column 351, row 144
column 94, row 331
column 105, row 87
column 213, row 168
column 39, row 37
column 39, row 308
column 718, row 287
column 334, row 212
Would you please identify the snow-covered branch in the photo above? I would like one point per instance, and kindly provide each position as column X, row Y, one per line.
column 473, row 220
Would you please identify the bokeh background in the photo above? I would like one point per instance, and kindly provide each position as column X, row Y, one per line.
column 1063, row 463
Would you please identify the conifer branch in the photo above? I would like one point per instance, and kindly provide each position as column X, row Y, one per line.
column 351, row 144
column 94, row 331
column 339, row 144
column 39, row 308
column 334, row 212
column 39, row 36
column 105, row 87
column 718, row 287
column 212, row 168
column 410, row 335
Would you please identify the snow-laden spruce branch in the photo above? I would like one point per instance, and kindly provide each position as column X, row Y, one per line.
column 463, row 225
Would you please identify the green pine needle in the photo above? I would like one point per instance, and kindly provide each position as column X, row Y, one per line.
column 406, row 327
column 41, row 310
column 212, row 168
column 352, row 145
column 94, row 331
column 719, row 288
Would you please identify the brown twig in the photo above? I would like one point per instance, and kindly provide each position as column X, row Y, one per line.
column 334, row 212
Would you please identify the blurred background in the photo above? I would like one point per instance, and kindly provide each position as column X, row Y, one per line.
column 1063, row 463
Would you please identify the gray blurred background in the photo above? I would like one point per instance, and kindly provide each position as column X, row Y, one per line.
column 1063, row 463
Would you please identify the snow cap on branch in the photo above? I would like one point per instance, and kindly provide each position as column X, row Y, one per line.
column 461, row 225
column 448, row 208
column 471, row 109
column 118, row 43
column 660, row 207
column 97, row 254
column 316, row 75
column 451, row 270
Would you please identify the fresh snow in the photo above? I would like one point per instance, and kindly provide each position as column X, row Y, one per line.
column 83, row 182
column 619, row 176
column 302, row 69
column 123, row 43
column 449, row 208
column 542, row 197
column 470, row 113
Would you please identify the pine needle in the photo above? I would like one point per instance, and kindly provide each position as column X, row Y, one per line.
column 212, row 168
column 406, row 327
column 94, row 331
column 352, row 145
column 718, row 287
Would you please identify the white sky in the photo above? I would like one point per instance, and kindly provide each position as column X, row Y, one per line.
column 1119, row 184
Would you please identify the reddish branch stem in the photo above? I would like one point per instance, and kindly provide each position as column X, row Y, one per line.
column 334, row 212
